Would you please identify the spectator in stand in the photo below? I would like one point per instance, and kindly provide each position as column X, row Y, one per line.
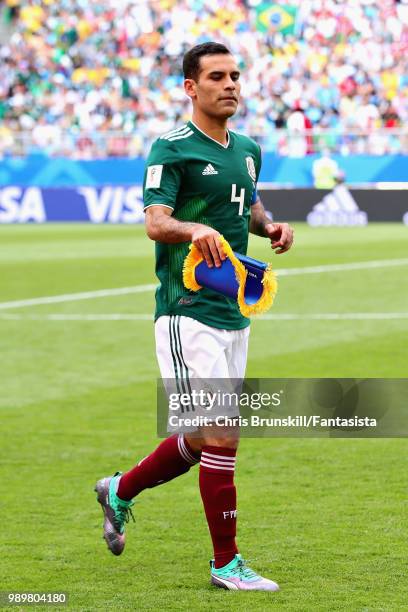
column 113, row 67
column 299, row 137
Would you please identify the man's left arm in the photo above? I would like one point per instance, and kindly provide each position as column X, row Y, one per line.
column 280, row 234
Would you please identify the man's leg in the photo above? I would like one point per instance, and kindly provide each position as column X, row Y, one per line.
column 217, row 488
column 171, row 458
column 218, row 456
column 217, row 466
column 218, row 492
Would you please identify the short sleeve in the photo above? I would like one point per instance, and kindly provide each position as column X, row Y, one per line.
column 258, row 164
column 162, row 177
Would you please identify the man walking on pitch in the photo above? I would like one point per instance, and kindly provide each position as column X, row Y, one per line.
column 200, row 182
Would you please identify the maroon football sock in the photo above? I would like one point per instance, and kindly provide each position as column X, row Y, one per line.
column 171, row 458
column 219, row 497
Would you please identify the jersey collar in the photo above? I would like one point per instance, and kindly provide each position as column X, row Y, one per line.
column 206, row 137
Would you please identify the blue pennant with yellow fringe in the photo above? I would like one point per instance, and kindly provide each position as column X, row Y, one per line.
column 251, row 282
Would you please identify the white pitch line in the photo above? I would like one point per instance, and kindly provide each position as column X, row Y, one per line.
column 88, row 295
column 358, row 265
column 327, row 316
column 334, row 316
column 76, row 317
column 73, row 297
column 8, row 316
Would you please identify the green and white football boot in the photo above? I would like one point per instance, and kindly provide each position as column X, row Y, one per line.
column 116, row 512
column 237, row 576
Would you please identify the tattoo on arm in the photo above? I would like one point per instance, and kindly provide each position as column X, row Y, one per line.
column 258, row 219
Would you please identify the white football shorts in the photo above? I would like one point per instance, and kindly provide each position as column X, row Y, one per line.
column 203, row 364
column 186, row 347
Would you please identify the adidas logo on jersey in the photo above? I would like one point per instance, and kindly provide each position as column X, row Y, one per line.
column 337, row 208
column 209, row 170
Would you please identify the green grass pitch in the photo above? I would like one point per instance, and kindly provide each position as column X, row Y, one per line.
column 324, row 518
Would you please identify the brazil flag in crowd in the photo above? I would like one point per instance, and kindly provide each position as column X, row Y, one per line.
column 279, row 17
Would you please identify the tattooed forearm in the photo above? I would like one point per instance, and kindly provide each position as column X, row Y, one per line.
column 258, row 219
column 161, row 226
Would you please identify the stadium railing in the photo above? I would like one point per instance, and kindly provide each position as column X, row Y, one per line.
column 87, row 144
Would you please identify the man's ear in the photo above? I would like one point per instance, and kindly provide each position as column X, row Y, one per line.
column 190, row 88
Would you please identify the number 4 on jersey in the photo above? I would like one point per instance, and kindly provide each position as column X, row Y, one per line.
column 240, row 198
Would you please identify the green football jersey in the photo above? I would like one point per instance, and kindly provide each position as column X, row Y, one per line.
column 202, row 181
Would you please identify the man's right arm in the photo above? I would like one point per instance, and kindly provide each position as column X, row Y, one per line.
column 163, row 176
column 162, row 227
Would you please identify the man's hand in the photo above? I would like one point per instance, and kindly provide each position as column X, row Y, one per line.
column 281, row 236
column 207, row 240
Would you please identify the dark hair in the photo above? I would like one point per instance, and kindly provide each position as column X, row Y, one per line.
column 191, row 60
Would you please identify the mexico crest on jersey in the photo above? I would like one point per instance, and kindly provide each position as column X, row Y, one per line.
column 251, row 167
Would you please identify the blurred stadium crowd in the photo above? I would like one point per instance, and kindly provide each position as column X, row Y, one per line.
column 87, row 78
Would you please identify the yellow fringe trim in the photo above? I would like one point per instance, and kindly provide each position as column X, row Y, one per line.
column 269, row 282
column 190, row 263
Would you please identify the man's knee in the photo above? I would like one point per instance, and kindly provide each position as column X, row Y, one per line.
column 222, row 442
column 225, row 438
